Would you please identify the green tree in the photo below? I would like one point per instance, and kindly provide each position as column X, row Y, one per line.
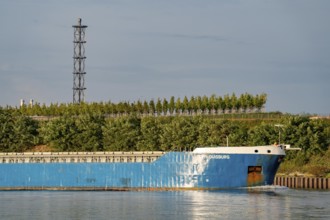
column 25, row 133
column 179, row 134
column 159, row 107
column 199, row 104
column 152, row 107
column 178, row 106
column 6, row 130
column 150, row 133
column 243, row 102
column 260, row 101
column 203, row 132
column 192, row 105
column 218, row 133
column 309, row 135
column 17, row 133
column 228, row 103
column 205, row 104
column 250, row 102
column 222, row 104
column 165, row 106
column 185, row 105
column 61, row 134
column 122, row 134
column 89, row 132
column 264, row 134
column 213, row 103
column 235, row 102
column 171, row 105
column 145, row 107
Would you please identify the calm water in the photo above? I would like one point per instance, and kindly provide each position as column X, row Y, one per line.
column 279, row 203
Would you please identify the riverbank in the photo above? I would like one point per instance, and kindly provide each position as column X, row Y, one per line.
column 296, row 164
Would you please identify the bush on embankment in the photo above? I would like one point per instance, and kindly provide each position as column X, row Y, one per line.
column 91, row 132
column 316, row 165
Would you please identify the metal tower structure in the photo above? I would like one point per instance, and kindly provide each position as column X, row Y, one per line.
column 79, row 62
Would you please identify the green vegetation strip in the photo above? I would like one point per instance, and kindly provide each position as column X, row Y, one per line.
column 98, row 132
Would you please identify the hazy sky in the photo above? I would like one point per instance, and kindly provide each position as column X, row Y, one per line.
column 144, row 49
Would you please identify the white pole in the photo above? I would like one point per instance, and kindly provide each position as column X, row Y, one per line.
column 279, row 132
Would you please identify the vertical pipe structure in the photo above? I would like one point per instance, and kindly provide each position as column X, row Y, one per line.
column 79, row 62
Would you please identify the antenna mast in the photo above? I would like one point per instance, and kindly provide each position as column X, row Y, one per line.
column 79, row 62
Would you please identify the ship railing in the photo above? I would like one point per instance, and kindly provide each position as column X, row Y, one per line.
column 80, row 157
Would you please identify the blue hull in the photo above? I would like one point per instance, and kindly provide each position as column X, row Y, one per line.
column 174, row 170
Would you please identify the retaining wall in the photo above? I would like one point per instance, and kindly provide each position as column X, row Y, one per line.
column 303, row 182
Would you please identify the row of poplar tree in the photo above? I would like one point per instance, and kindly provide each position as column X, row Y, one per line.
column 174, row 106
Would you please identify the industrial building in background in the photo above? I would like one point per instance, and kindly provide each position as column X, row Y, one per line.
column 79, row 62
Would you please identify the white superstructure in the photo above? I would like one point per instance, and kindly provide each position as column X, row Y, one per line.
column 270, row 149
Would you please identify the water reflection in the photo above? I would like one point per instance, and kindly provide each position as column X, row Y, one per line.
column 233, row 204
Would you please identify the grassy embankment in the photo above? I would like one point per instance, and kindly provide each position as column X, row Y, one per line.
column 316, row 166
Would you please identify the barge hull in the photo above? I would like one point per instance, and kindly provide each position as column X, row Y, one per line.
column 172, row 171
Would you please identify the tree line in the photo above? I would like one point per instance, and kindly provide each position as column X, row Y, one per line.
column 94, row 132
column 195, row 105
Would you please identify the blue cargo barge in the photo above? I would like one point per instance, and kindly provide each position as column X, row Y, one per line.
column 203, row 168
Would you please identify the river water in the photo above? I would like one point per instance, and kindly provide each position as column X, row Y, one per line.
column 274, row 203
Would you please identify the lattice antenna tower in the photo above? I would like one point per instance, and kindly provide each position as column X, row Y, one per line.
column 79, row 62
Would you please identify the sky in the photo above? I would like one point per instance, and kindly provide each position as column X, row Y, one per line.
column 150, row 49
